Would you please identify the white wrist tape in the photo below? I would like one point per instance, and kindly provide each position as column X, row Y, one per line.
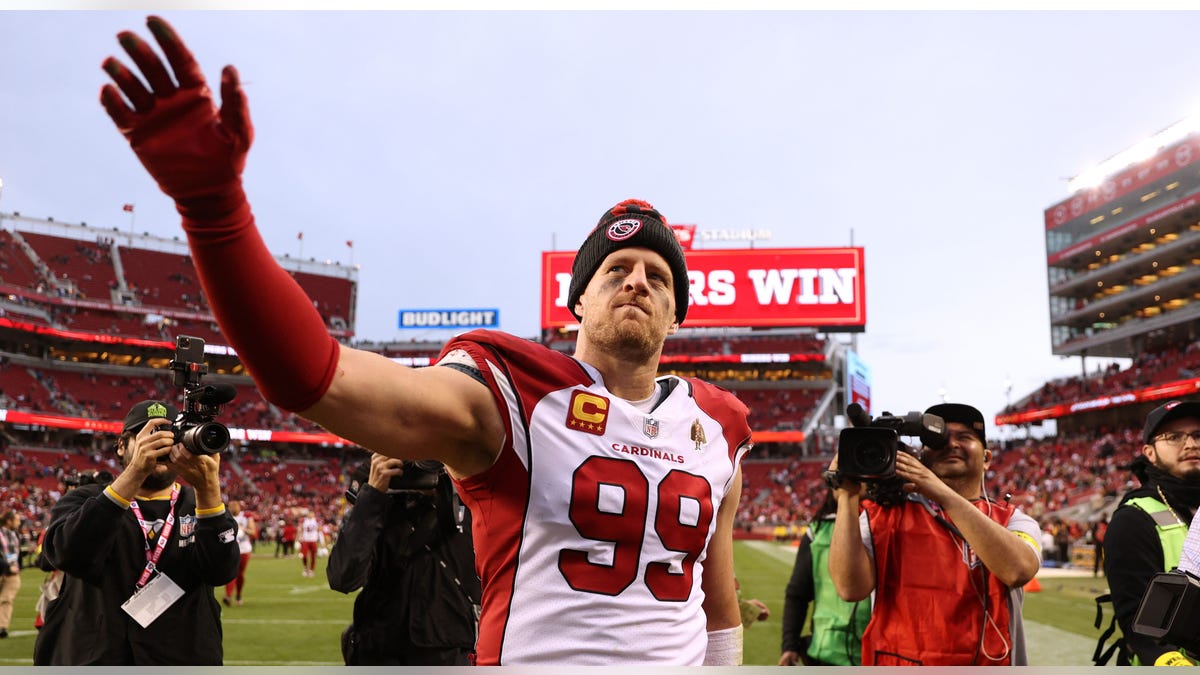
column 724, row 647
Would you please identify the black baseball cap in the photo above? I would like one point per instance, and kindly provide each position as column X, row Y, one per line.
column 145, row 411
column 1171, row 410
column 962, row 414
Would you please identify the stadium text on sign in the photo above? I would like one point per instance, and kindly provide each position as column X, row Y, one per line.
column 449, row 318
column 755, row 287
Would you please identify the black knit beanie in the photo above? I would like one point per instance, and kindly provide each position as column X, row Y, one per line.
column 633, row 222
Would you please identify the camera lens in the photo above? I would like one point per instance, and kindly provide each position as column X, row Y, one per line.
column 214, row 436
column 207, row 438
column 873, row 457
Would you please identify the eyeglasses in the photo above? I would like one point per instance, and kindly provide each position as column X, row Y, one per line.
column 1177, row 438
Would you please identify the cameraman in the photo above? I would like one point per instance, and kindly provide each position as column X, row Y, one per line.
column 141, row 556
column 948, row 566
column 412, row 556
column 1146, row 532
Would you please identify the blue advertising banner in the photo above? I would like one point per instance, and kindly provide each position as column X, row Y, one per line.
column 449, row 318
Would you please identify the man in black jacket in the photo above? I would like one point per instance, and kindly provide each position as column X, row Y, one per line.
column 141, row 556
column 406, row 545
column 1146, row 533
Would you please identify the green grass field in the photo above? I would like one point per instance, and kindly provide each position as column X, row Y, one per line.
column 288, row 619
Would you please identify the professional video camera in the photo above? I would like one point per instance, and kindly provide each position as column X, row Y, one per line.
column 867, row 450
column 1170, row 610
column 194, row 427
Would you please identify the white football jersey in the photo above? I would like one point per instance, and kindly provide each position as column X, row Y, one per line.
column 243, row 539
column 310, row 529
column 591, row 528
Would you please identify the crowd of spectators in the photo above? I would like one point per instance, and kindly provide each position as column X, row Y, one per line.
column 1048, row 478
column 1149, row 368
column 58, row 275
column 1064, row 482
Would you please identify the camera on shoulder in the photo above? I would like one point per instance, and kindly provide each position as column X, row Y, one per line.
column 867, row 450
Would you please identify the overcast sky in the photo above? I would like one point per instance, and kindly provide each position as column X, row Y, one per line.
column 452, row 148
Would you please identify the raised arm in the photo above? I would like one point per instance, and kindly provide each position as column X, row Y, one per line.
column 196, row 151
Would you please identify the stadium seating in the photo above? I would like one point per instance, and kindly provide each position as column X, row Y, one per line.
column 70, row 281
column 85, row 266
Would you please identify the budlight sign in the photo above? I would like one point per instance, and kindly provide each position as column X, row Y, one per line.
column 453, row 319
column 793, row 287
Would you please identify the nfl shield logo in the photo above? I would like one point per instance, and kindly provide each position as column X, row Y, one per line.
column 187, row 525
column 650, row 427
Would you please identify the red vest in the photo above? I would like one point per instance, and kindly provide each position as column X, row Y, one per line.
column 930, row 593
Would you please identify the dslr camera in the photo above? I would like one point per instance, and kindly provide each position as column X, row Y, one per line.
column 418, row 475
column 867, row 450
column 1170, row 610
column 195, row 427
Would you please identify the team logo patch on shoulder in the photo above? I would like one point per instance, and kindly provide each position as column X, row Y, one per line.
column 623, row 229
column 227, row 536
column 588, row 413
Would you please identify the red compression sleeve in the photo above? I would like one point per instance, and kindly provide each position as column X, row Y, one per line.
column 262, row 311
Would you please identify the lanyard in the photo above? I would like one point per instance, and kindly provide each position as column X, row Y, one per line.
column 152, row 557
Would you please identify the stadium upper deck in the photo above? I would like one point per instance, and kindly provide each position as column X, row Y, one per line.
column 1123, row 266
column 52, row 274
column 1122, row 258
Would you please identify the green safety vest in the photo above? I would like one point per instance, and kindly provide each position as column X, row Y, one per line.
column 1171, row 534
column 837, row 625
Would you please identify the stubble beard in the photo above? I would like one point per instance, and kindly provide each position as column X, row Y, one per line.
column 157, row 480
column 1191, row 475
column 629, row 340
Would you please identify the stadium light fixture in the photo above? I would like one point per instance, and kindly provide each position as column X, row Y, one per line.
column 1139, row 152
column 1144, row 150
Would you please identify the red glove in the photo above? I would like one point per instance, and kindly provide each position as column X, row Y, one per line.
column 193, row 150
column 196, row 154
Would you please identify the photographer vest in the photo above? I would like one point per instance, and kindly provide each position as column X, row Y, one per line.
column 936, row 604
